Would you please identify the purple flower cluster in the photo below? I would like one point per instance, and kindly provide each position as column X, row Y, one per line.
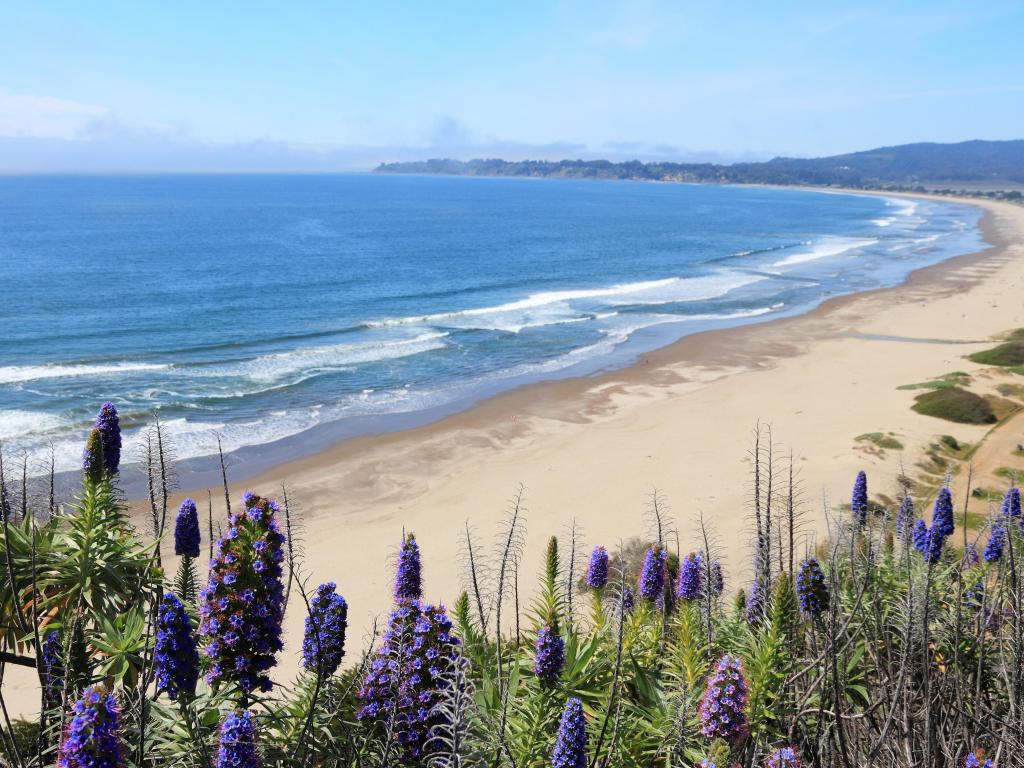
column 407, row 678
column 652, row 575
column 691, row 577
column 783, row 758
column 549, row 655
column 408, row 574
column 928, row 542
column 905, row 517
column 243, row 603
column 323, row 645
column 859, row 501
column 754, row 607
column 237, row 748
column 919, row 537
column 174, row 652
column 109, row 426
column 723, row 705
column 942, row 515
column 811, row 588
column 92, row 738
column 1011, row 503
column 53, row 665
column 931, row 541
column 996, row 541
column 717, row 580
column 571, row 740
column 597, row 571
column 186, row 530
column 972, row 761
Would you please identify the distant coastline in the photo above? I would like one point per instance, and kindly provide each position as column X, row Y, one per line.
column 989, row 169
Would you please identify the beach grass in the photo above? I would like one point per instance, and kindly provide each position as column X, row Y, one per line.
column 885, row 441
column 954, row 379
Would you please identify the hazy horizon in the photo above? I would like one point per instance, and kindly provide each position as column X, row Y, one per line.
column 119, row 88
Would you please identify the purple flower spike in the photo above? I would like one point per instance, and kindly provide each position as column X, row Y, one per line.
column 571, row 741
column 186, row 530
column 407, row 678
column 783, row 758
column 859, row 502
column 691, row 574
column 92, row 738
column 174, row 653
column 754, row 609
column 323, row 645
column 243, row 603
column 109, row 425
column 53, row 666
column 652, row 575
column 811, row 588
column 597, row 571
column 942, row 516
column 238, row 742
column 723, row 707
column 1011, row 503
column 717, row 580
column 549, row 657
column 408, row 576
column 936, row 543
column 996, row 541
column 920, row 536
column 905, row 517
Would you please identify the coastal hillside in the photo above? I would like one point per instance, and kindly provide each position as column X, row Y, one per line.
column 970, row 164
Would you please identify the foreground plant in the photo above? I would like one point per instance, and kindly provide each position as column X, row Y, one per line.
column 93, row 735
column 243, row 603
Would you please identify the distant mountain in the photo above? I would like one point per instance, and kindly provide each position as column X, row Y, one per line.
column 976, row 164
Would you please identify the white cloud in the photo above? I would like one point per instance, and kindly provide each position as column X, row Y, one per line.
column 46, row 117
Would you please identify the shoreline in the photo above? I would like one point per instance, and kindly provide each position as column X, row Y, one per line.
column 253, row 461
column 332, row 441
column 679, row 420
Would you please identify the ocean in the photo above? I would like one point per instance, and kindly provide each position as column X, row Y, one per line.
column 281, row 311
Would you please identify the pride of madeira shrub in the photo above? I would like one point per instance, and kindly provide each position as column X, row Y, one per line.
column 895, row 641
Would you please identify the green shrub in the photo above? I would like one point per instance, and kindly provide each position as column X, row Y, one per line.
column 1009, row 353
column 955, row 404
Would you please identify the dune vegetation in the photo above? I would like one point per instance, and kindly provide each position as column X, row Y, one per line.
column 897, row 641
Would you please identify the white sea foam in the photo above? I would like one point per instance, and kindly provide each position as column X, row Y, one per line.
column 556, row 307
column 906, row 207
column 311, row 360
column 826, row 248
column 17, row 423
column 16, row 374
column 886, row 222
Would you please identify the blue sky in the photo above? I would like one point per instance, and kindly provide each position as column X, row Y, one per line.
column 325, row 85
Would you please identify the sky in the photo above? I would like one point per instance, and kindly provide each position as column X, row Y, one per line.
column 335, row 85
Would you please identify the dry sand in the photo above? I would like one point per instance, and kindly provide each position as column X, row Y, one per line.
column 681, row 421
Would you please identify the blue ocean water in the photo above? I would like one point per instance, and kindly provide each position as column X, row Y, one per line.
column 255, row 308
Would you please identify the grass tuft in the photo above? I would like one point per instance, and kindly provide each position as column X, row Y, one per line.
column 954, row 379
column 884, row 440
column 1010, row 353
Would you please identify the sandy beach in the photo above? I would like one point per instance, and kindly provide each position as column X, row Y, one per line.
column 680, row 421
